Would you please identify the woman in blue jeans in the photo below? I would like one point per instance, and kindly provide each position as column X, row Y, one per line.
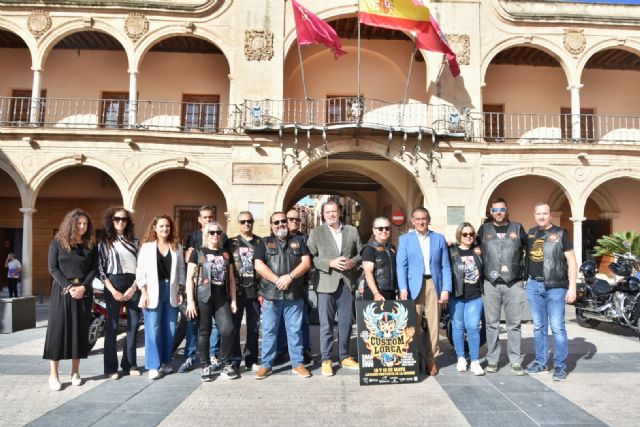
column 466, row 304
column 159, row 274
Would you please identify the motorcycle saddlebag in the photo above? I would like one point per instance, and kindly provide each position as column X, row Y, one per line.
column 581, row 290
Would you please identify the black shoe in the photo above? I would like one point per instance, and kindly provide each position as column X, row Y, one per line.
column 281, row 358
column 229, row 372
column 308, row 358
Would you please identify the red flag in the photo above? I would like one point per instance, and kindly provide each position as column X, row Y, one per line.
column 435, row 41
column 313, row 30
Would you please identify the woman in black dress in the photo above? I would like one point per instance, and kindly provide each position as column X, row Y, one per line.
column 73, row 261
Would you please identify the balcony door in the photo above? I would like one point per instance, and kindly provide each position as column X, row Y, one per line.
column 200, row 112
column 20, row 107
column 493, row 122
column 114, row 110
column 586, row 123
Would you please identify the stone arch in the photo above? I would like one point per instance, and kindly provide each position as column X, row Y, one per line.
column 166, row 165
column 603, row 198
column 291, row 178
column 18, row 180
column 629, row 45
column 535, row 42
column 78, row 25
column 50, row 169
column 562, row 181
column 608, row 176
column 154, row 37
column 26, row 37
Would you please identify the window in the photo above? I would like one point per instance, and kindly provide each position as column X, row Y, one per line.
column 493, row 122
column 200, row 112
column 586, row 123
column 343, row 109
column 20, row 107
column 114, row 110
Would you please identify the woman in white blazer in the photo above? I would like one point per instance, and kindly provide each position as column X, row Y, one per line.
column 160, row 273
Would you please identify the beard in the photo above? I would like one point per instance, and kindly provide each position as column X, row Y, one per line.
column 281, row 233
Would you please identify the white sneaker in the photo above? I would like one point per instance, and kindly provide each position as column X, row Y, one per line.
column 166, row 368
column 54, row 384
column 75, row 379
column 462, row 365
column 476, row 369
column 154, row 374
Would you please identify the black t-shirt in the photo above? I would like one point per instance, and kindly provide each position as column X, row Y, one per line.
column 217, row 265
column 368, row 254
column 245, row 275
column 536, row 254
column 164, row 265
column 471, row 274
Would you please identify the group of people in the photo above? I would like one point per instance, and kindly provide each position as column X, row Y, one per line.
column 222, row 279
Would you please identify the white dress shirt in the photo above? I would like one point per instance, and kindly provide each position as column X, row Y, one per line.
column 425, row 246
column 337, row 236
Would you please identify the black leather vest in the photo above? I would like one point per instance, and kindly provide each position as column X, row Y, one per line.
column 457, row 268
column 282, row 258
column 502, row 257
column 204, row 274
column 384, row 268
column 555, row 268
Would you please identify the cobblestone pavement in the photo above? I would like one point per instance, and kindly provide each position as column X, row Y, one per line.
column 601, row 389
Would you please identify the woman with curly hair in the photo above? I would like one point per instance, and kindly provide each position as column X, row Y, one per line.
column 73, row 261
column 159, row 274
column 117, row 269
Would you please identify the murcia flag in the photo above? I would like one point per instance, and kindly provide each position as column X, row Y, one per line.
column 313, row 30
column 403, row 15
column 434, row 40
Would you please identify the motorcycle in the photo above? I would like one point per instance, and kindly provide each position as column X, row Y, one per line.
column 599, row 301
column 99, row 317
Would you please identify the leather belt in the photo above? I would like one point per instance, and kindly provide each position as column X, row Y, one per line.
column 537, row 279
column 426, row 276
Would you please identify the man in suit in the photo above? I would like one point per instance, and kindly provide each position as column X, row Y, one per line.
column 335, row 249
column 424, row 275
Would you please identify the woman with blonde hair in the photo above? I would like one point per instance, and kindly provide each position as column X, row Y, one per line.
column 73, row 261
column 159, row 275
column 466, row 304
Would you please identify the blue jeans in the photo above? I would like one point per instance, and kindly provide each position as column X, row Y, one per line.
column 466, row 315
column 191, row 340
column 547, row 308
column 282, row 337
column 159, row 329
column 272, row 313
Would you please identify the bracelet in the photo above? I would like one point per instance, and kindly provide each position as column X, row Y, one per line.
column 275, row 280
column 293, row 276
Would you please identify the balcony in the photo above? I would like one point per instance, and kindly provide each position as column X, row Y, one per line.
column 333, row 114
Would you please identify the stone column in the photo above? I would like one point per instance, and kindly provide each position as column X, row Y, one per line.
column 36, row 87
column 27, row 250
column 577, row 238
column 575, row 111
column 133, row 99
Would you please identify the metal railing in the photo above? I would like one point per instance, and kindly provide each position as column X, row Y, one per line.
column 76, row 113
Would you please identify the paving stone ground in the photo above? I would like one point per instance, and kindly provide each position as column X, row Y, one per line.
column 601, row 389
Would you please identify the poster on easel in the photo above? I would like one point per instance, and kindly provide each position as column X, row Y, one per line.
column 387, row 351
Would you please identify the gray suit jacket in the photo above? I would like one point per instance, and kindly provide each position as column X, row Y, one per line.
column 323, row 249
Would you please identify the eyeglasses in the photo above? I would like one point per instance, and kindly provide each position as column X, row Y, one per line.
column 279, row 221
column 120, row 219
column 215, row 232
column 496, row 210
column 294, row 219
column 382, row 228
column 472, row 234
column 420, row 219
column 246, row 221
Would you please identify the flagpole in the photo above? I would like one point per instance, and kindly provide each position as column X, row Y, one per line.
column 358, row 72
column 406, row 89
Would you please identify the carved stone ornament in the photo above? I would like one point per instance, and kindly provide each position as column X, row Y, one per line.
column 258, row 45
column 136, row 25
column 574, row 41
column 461, row 45
column 39, row 23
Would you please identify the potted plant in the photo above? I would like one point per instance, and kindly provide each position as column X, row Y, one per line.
column 616, row 243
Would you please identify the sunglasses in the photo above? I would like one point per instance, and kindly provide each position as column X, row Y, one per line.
column 120, row 219
column 496, row 210
column 279, row 221
column 472, row 234
column 246, row 221
column 215, row 232
column 382, row 228
column 294, row 219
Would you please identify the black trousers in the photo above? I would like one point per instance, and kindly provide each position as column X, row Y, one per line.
column 252, row 307
column 121, row 282
column 13, row 286
column 217, row 307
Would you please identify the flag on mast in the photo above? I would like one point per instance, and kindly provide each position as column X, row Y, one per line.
column 434, row 40
column 313, row 30
column 403, row 15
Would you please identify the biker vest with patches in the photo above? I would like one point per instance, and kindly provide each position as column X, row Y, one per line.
column 384, row 268
column 282, row 257
column 457, row 268
column 555, row 268
column 502, row 257
column 242, row 251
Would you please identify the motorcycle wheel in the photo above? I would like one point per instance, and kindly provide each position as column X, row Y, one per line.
column 181, row 328
column 96, row 330
column 585, row 322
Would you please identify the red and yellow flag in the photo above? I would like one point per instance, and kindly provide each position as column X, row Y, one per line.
column 403, row 15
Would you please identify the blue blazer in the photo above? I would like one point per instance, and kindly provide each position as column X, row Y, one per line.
column 410, row 264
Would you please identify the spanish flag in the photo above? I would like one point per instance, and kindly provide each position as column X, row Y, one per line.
column 403, row 15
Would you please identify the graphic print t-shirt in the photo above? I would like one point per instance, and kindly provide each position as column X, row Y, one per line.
column 536, row 251
column 216, row 264
column 471, row 274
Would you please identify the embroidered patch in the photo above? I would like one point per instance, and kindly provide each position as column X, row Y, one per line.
column 494, row 274
column 504, row 269
column 271, row 245
column 513, row 235
column 225, row 255
column 477, row 251
column 294, row 245
column 489, row 236
column 380, row 248
column 553, row 237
